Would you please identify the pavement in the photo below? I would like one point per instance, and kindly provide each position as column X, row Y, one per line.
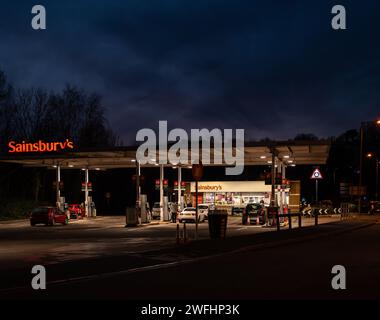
column 95, row 249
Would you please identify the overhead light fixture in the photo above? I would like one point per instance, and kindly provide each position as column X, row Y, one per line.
column 133, row 160
column 156, row 164
column 71, row 166
column 290, row 161
column 293, row 165
column 174, row 167
column 54, row 166
column 286, row 157
column 97, row 169
column 83, row 169
column 269, row 161
column 263, row 157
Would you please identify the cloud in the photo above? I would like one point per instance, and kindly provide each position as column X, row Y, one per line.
column 275, row 68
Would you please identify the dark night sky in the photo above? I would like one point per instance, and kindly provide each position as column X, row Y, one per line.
column 275, row 68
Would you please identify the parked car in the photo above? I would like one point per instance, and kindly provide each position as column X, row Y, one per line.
column 76, row 211
column 48, row 216
column 189, row 215
column 255, row 213
column 238, row 211
column 203, row 209
column 156, row 211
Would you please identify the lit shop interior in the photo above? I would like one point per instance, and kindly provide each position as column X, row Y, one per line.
column 232, row 193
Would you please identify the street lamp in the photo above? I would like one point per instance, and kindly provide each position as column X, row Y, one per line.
column 377, row 122
column 370, row 156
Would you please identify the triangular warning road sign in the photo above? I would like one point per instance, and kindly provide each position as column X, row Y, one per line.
column 316, row 174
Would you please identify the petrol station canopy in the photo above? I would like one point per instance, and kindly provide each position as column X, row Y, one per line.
column 292, row 152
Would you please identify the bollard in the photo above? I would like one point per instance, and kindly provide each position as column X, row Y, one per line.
column 277, row 221
column 299, row 220
column 177, row 238
column 290, row 221
column 184, row 233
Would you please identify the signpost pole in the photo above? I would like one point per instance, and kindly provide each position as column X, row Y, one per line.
column 316, row 191
column 316, row 175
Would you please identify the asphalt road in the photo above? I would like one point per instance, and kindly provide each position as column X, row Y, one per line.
column 23, row 245
column 148, row 267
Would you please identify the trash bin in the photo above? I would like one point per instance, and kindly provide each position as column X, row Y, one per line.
column 131, row 217
column 217, row 224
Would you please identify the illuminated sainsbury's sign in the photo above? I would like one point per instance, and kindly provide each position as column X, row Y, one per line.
column 39, row 146
column 231, row 186
column 210, row 188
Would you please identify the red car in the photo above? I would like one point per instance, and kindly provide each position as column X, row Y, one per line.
column 374, row 207
column 76, row 211
column 48, row 216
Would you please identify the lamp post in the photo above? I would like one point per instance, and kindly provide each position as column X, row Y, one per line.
column 361, row 168
column 377, row 122
column 197, row 170
column 371, row 155
column 377, row 179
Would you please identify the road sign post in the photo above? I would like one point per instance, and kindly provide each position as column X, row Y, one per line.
column 316, row 191
column 316, row 175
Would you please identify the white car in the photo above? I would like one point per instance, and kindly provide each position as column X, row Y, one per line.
column 203, row 209
column 156, row 211
column 188, row 215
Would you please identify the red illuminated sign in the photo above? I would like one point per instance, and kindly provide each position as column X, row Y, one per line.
column 39, row 146
column 183, row 183
column 89, row 186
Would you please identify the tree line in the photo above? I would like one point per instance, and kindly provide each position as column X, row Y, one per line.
column 35, row 114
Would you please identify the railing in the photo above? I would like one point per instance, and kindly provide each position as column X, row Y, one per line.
column 289, row 216
column 345, row 211
column 345, row 214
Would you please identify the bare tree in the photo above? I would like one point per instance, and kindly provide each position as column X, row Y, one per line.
column 29, row 109
column 32, row 114
column 5, row 115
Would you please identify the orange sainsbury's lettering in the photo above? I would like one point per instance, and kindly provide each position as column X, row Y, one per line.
column 11, row 146
column 39, row 146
